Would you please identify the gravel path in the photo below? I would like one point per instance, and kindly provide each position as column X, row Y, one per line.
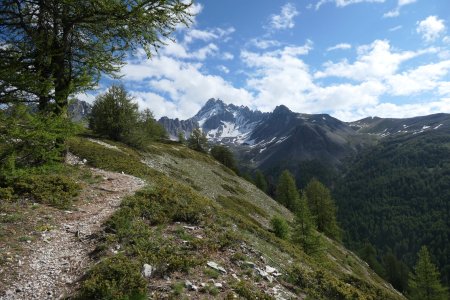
column 57, row 260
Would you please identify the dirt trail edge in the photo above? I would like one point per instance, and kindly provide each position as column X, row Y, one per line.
column 56, row 261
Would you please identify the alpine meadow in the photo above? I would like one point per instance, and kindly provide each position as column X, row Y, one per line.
column 224, row 149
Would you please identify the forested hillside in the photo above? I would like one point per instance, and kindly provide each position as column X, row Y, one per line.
column 396, row 196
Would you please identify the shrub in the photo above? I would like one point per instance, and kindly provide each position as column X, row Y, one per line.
column 116, row 277
column 54, row 190
column 280, row 227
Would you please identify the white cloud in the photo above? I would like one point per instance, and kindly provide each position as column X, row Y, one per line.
column 223, row 69
column 341, row 46
column 285, row 19
column 343, row 3
column 431, row 28
column 374, row 61
column 420, row 79
column 391, row 110
column 395, row 28
column 227, row 56
column 208, row 35
column 183, row 85
column 264, row 44
column 396, row 11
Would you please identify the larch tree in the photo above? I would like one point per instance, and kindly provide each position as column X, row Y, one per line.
column 260, row 181
column 197, row 141
column 50, row 49
column 323, row 209
column 286, row 192
column 304, row 232
column 424, row 284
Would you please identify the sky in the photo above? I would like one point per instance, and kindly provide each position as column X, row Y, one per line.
column 347, row 58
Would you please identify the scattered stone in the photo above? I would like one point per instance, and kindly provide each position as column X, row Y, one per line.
column 271, row 270
column 218, row 285
column 147, row 270
column 215, row 266
column 190, row 286
column 190, row 227
column 236, row 277
column 250, row 264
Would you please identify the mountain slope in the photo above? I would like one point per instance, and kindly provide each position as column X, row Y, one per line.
column 396, row 196
column 277, row 140
column 202, row 232
column 390, row 126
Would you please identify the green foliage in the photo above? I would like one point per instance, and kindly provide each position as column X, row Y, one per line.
column 110, row 159
column 54, row 190
column 260, row 181
column 396, row 272
column 424, row 284
column 396, row 194
column 304, row 232
column 45, row 64
column 223, row 155
column 181, row 137
column 117, row 277
column 197, row 141
column 116, row 116
column 46, row 184
column 369, row 254
column 286, row 192
column 280, row 227
column 323, row 209
column 29, row 140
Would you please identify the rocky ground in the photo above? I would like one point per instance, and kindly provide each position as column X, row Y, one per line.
column 51, row 265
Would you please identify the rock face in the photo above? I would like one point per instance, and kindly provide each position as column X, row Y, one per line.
column 79, row 110
column 264, row 139
column 221, row 122
column 285, row 139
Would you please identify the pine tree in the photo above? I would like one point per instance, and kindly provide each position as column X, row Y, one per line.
column 304, row 232
column 181, row 137
column 197, row 141
column 286, row 193
column 323, row 209
column 369, row 254
column 223, row 155
column 425, row 284
column 51, row 49
column 260, row 181
column 114, row 114
column 396, row 272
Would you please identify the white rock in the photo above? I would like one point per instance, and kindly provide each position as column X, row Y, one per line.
column 271, row 270
column 147, row 270
column 190, row 286
column 218, row 285
column 215, row 266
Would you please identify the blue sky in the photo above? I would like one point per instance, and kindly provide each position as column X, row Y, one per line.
column 348, row 58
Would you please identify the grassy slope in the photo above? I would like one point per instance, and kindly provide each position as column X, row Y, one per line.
column 194, row 211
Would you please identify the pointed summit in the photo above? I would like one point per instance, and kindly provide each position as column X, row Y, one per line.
column 281, row 109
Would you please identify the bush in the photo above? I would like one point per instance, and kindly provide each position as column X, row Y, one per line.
column 117, row 277
column 29, row 140
column 54, row 190
column 280, row 227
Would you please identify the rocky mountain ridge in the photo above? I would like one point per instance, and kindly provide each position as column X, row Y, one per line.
column 285, row 138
